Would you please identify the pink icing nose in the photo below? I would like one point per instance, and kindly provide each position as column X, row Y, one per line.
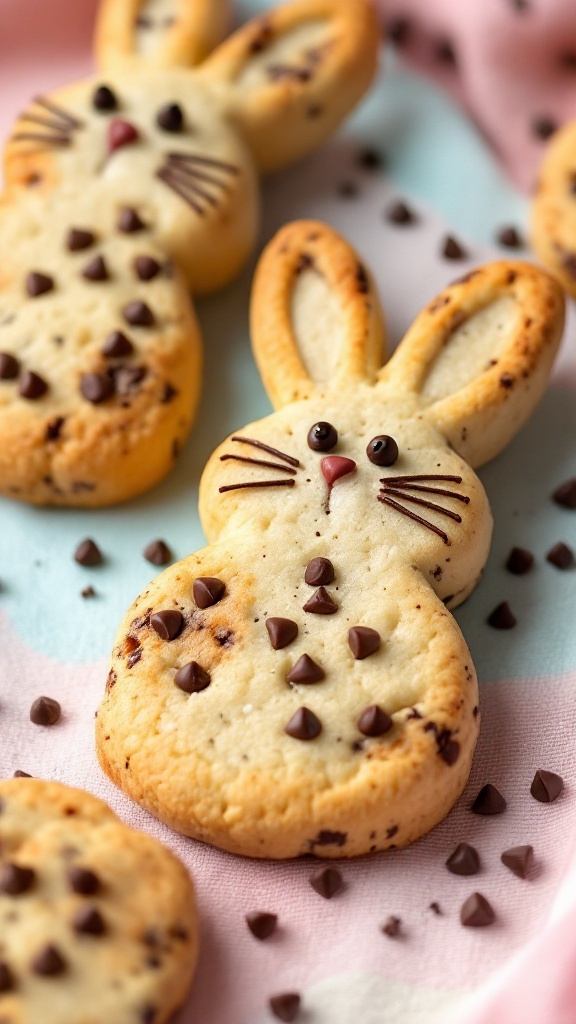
column 121, row 133
column 335, row 466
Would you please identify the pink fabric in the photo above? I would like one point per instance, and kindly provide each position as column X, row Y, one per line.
column 515, row 62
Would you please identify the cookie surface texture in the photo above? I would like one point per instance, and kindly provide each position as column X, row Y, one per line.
column 125, row 194
column 299, row 686
column 554, row 208
column 97, row 921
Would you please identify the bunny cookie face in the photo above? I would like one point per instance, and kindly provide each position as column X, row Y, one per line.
column 299, row 685
column 123, row 194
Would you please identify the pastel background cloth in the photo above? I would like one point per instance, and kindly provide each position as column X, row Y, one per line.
column 522, row 970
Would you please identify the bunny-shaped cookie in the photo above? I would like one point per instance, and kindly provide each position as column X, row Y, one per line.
column 299, row 685
column 554, row 208
column 124, row 193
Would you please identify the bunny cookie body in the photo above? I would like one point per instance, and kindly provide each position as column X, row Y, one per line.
column 299, row 685
column 128, row 191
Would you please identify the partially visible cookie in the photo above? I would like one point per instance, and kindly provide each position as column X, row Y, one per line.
column 97, row 921
column 554, row 210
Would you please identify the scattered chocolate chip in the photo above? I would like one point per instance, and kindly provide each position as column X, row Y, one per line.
column 127, row 379
column 370, row 159
column 83, row 881
column 88, row 553
column 305, row 671
column 281, row 632
column 285, row 1006
column 519, row 561
column 191, row 678
column 32, row 386
column 436, row 908
column 117, row 345
column 170, row 117
column 48, row 962
column 319, row 572
column 382, row 450
column 448, row 749
column 96, row 269
column 464, row 860
column 146, row 268
column 398, row 30
column 374, row 721
column 489, row 801
column 103, row 99
column 157, row 552
column 96, row 387
column 138, row 314
column 502, row 617
column 363, row 641
column 519, row 860
column 167, row 624
column 88, row 592
column 391, row 927
column 546, row 786
column 543, row 127
column 303, row 725
column 445, row 52
column 400, row 213
column 18, row 774
column 476, row 912
column 54, row 428
column 322, row 437
column 7, row 981
column 169, row 393
column 561, row 556
column 45, row 711
column 261, row 924
column 78, row 239
column 38, row 284
column 452, row 250
column 565, row 494
column 321, row 603
column 129, row 221
column 326, row 882
column 16, row 879
column 88, row 921
column 208, row 590
column 510, row 238
column 9, row 366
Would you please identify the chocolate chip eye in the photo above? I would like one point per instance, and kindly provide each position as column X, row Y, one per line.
column 382, row 450
column 322, row 437
column 104, row 99
column 170, row 118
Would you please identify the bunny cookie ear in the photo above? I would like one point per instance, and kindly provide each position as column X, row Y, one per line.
column 480, row 354
column 315, row 317
column 177, row 33
column 292, row 75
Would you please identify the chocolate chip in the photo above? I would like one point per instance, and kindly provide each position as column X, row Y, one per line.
column 519, row 860
column 502, row 617
column 146, row 267
column 445, row 52
column 489, row 801
column 32, row 386
column 464, row 860
column 374, row 721
column 476, row 912
column 519, row 561
column 7, row 981
column 326, row 882
column 391, row 927
column 321, row 603
column 281, row 632
column 322, row 437
column 95, row 269
column 303, row 725
column 398, row 30
column 16, row 879
column 88, row 591
column 117, row 345
column 546, row 786
column 363, row 641
column 191, row 678
column 38, row 284
column 54, row 428
column 45, row 711
column 138, row 314
column 261, row 924
column 83, row 881
column 9, row 366
column 129, row 221
column 167, row 624
column 305, row 671
column 168, row 393
column 543, row 127
column 96, row 387
column 103, row 99
column 157, row 552
column 149, row 1015
column 400, row 213
column 48, row 962
column 452, row 250
column 436, row 908
column 127, row 379
column 565, row 494
column 370, row 159
column 208, row 590
column 78, row 239
column 382, row 450
column 170, row 117
column 285, row 1006
column 88, row 921
column 319, row 572
column 88, row 553
column 561, row 556
column 509, row 237
column 22, row 775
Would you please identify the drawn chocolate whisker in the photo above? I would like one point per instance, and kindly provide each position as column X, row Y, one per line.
column 395, row 481
column 258, row 462
column 46, row 122
column 425, row 504
column 412, row 515
column 169, row 179
column 59, row 112
column 189, row 183
column 266, row 448
column 257, row 483
column 50, row 140
column 208, row 161
column 430, row 490
column 194, row 173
